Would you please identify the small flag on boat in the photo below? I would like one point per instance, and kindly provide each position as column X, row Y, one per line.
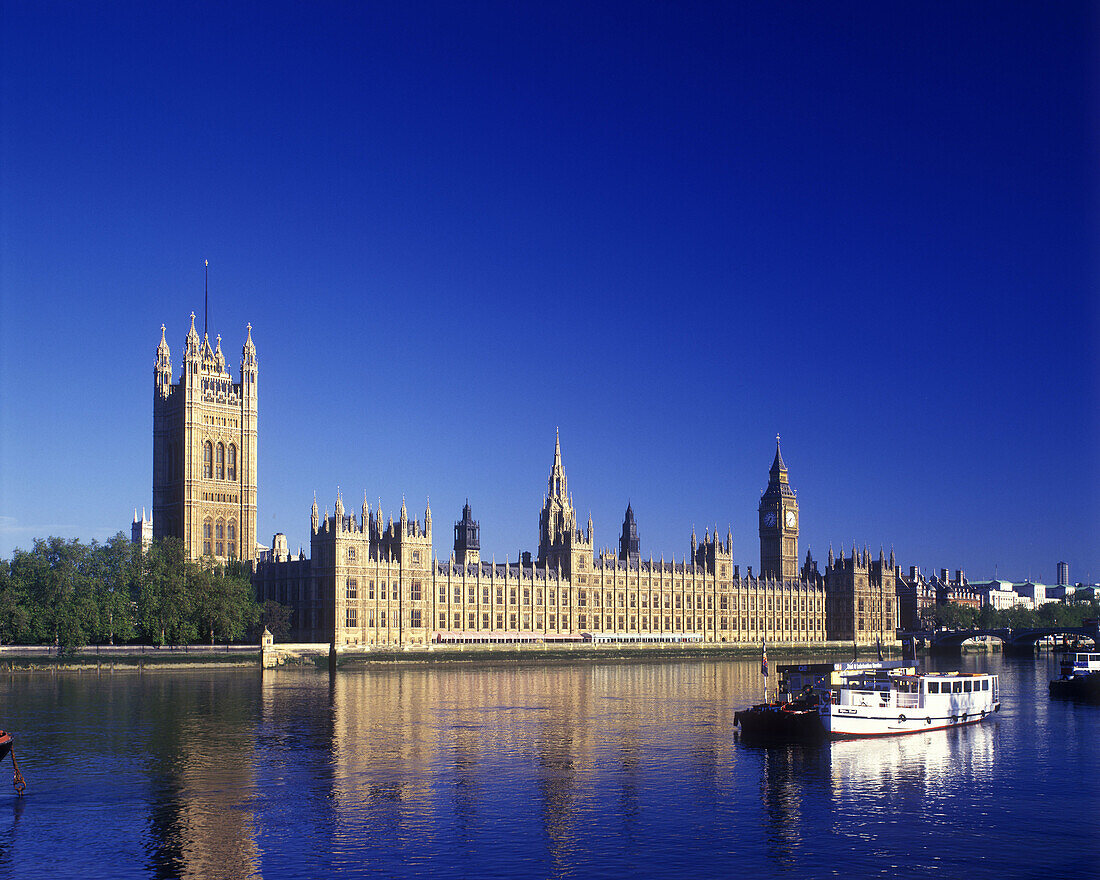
column 763, row 658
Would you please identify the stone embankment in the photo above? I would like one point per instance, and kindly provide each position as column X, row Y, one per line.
column 122, row 658
column 269, row 655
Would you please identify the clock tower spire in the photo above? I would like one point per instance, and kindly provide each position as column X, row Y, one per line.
column 779, row 523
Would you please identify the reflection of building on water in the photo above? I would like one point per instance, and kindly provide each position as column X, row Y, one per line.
column 200, row 780
column 441, row 747
column 924, row 763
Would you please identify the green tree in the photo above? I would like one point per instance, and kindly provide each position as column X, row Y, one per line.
column 112, row 570
column 956, row 616
column 54, row 574
column 277, row 618
column 988, row 618
column 15, row 617
column 165, row 612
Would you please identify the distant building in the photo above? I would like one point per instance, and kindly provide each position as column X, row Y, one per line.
column 1063, row 574
column 999, row 595
column 141, row 530
column 916, row 600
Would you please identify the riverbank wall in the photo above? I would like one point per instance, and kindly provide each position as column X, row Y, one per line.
column 138, row 658
column 126, row 658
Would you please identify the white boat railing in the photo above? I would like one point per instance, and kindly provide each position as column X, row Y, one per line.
column 908, row 701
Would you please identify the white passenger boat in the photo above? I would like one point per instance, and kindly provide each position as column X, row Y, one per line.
column 896, row 699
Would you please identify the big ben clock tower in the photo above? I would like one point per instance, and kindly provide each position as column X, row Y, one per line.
column 779, row 524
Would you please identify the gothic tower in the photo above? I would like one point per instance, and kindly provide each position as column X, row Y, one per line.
column 630, row 550
column 561, row 543
column 779, row 524
column 467, row 540
column 204, row 450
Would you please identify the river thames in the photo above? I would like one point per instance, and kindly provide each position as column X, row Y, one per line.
column 580, row 770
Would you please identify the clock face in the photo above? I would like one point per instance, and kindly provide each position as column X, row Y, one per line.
column 769, row 519
column 790, row 519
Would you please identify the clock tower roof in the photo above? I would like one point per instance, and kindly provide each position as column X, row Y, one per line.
column 778, row 482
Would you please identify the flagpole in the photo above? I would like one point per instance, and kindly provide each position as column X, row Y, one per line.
column 764, row 665
column 206, row 298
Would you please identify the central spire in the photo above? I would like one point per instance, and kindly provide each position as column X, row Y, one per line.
column 778, row 467
column 557, row 486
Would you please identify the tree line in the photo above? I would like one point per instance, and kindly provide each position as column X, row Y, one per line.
column 1070, row 614
column 70, row 594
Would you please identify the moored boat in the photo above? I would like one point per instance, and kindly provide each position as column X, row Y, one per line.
column 900, row 700
column 5, row 744
column 1079, row 677
column 794, row 714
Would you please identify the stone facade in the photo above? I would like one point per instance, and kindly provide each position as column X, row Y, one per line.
column 372, row 583
column 204, row 450
column 862, row 604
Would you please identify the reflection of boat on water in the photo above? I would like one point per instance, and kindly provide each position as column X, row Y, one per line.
column 1079, row 677
column 6, row 748
column 927, row 762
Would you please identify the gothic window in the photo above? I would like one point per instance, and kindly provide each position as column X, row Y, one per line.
column 443, row 620
column 207, row 528
column 414, row 595
column 233, row 462
column 221, row 461
column 231, row 538
column 351, row 552
column 370, row 589
column 458, row 620
column 471, row 618
column 353, row 588
column 207, row 460
column 219, row 538
column 443, row 593
column 352, row 618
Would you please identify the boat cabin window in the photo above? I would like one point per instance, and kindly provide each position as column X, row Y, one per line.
column 933, row 687
column 966, row 687
column 1094, row 656
column 957, row 687
column 985, row 684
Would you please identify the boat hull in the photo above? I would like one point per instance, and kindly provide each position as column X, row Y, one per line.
column 1080, row 687
column 774, row 723
column 850, row 725
column 5, row 744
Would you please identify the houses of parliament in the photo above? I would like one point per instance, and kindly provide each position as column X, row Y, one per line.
column 371, row 581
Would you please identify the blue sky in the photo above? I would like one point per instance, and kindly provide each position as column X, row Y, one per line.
column 673, row 230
